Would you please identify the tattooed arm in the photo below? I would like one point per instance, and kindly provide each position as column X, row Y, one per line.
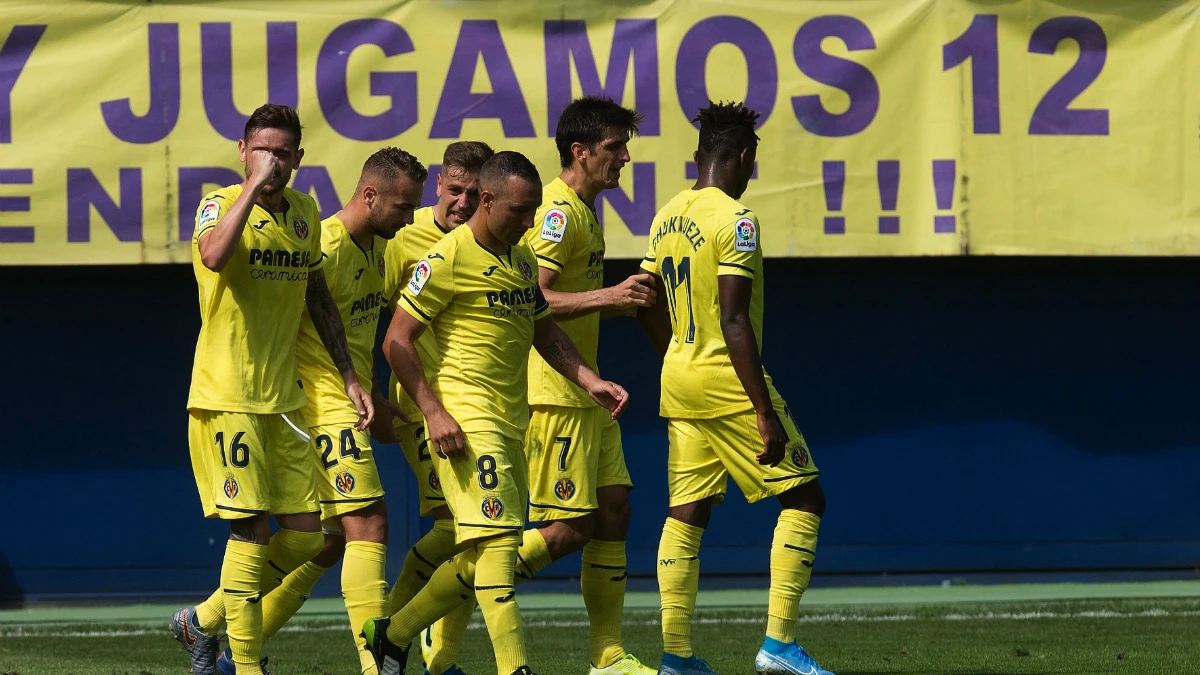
column 556, row 347
column 328, row 321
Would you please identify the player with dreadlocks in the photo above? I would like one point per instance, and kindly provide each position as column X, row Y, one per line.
column 724, row 416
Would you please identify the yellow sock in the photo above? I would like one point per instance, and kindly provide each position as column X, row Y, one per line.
column 792, row 553
column 287, row 550
column 603, row 583
column 433, row 549
column 496, row 594
column 532, row 555
column 678, row 581
column 452, row 583
column 240, row 574
column 210, row 614
column 281, row 604
column 363, row 572
column 446, row 636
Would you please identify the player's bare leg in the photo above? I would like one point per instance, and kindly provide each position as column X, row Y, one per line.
column 793, row 554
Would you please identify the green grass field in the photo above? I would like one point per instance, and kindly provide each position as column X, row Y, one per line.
column 1019, row 629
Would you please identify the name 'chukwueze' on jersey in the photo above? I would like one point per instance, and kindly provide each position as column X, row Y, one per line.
column 697, row 237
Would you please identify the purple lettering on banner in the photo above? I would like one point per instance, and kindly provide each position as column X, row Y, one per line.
column 833, row 177
column 981, row 44
column 15, row 234
column 1052, row 115
column 13, row 57
column 315, row 180
column 889, row 193
column 633, row 40
column 693, row 173
column 163, row 112
column 84, row 191
column 399, row 87
column 762, row 74
column 481, row 39
column 216, row 67
column 637, row 211
column 945, row 174
column 429, row 196
column 853, row 78
column 193, row 184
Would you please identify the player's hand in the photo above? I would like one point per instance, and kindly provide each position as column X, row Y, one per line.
column 775, row 439
column 610, row 395
column 383, row 428
column 263, row 168
column 636, row 291
column 445, row 435
column 362, row 402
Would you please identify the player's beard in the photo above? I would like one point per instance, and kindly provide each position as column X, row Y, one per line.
column 277, row 184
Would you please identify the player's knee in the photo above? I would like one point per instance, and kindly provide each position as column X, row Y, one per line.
column 696, row 514
column 616, row 511
column 369, row 524
column 332, row 551
column 252, row 530
column 580, row 532
column 809, row 497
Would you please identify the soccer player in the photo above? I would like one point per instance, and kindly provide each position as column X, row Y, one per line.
column 579, row 484
column 256, row 253
column 458, row 198
column 477, row 290
column 353, row 512
column 724, row 416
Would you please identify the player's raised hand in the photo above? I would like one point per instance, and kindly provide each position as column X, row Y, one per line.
column 610, row 395
column 362, row 402
column 445, row 435
column 263, row 168
column 383, row 429
column 636, row 291
column 775, row 439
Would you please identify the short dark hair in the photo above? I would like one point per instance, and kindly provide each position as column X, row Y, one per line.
column 586, row 120
column 467, row 155
column 495, row 173
column 726, row 129
column 273, row 116
column 391, row 163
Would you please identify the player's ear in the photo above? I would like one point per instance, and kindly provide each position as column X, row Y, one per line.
column 439, row 184
column 486, row 200
column 578, row 150
column 242, row 149
column 299, row 156
column 369, row 193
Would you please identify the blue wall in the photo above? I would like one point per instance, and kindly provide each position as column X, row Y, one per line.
column 991, row 414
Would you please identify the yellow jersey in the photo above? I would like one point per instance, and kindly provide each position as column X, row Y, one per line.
column 480, row 307
column 250, row 311
column 698, row 236
column 403, row 252
column 570, row 242
column 355, row 279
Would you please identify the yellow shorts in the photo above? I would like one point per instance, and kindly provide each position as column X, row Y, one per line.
column 572, row 452
column 703, row 453
column 416, row 451
column 486, row 489
column 246, row 464
column 346, row 464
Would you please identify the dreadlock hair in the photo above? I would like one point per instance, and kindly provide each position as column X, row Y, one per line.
column 726, row 129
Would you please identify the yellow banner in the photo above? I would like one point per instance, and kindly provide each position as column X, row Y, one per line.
column 890, row 127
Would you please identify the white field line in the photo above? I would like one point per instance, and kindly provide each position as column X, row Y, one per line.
column 21, row 631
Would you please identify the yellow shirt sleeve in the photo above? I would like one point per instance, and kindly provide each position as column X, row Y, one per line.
column 541, row 307
column 316, row 257
column 650, row 262
column 431, row 287
column 209, row 213
column 554, row 243
column 737, row 245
